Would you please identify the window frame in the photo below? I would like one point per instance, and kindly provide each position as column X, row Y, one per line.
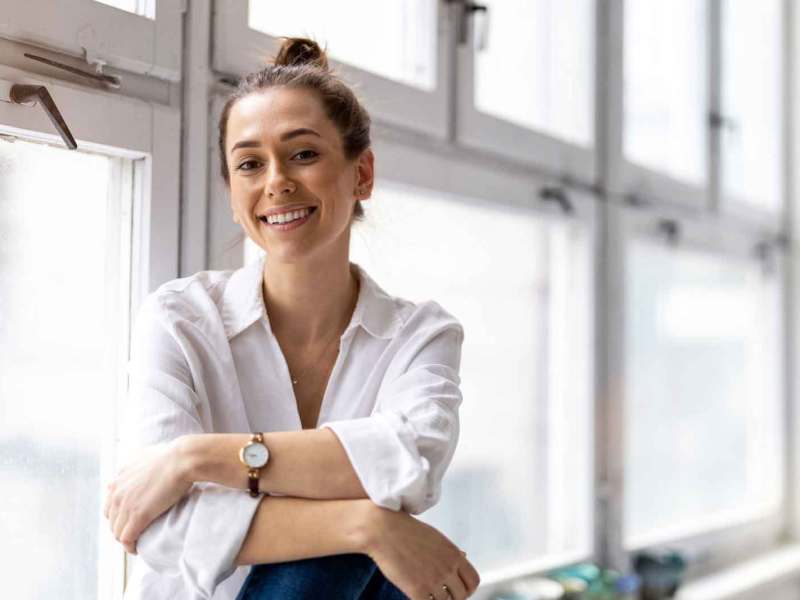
column 239, row 49
column 149, row 134
column 725, row 543
column 121, row 39
column 535, row 149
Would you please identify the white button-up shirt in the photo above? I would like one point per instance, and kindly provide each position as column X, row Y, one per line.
column 204, row 360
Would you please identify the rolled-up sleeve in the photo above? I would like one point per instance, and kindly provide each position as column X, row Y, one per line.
column 401, row 452
column 196, row 540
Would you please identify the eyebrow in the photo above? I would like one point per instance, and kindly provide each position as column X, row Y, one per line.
column 285, row 136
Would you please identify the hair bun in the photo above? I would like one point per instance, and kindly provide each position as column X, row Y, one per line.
column 300, row 51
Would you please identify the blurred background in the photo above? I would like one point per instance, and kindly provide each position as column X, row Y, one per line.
column 601, row 191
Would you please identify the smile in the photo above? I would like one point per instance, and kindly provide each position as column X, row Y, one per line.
column 289, row 221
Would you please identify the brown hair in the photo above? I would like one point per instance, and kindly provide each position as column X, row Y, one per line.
column 301, row 63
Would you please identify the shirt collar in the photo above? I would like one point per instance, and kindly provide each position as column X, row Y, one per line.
column 242, row 303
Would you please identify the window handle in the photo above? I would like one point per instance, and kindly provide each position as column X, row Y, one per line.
column 559, row 196
column 21, row 94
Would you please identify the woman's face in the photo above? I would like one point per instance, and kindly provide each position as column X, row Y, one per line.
column 279, row 167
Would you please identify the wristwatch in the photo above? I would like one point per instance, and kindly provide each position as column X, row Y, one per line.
column 254, row 455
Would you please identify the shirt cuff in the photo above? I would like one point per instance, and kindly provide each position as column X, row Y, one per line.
column 199, row 538
column 383, row 451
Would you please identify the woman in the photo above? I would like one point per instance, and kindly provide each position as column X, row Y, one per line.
column 356, row 435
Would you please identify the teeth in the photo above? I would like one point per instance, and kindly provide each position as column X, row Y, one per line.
column 288, row 217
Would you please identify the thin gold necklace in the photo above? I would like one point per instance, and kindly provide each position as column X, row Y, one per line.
column 296, row 379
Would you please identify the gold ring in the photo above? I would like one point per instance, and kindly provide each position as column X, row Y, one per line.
column 431, row 597
column 447, row 589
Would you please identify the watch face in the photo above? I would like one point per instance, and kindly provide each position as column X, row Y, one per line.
column 256, row 454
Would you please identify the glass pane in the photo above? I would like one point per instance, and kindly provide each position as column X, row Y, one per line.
column 752, row 141
column 703, row 390
column 549, row 47
column 400, row 36
column 145, row 8
column 665, row 88
column 60, row 273
column 520, row 484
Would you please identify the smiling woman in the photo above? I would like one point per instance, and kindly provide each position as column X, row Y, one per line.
column 353, row 393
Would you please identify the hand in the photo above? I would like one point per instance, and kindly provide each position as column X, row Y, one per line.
column 417, row 558
column 143, row 489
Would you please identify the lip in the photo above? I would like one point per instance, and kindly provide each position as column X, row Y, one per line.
column 284, row 209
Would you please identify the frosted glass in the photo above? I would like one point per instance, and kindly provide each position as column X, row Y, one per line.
column 538, row 67
column 703, row 369
column 520, row 484
column 665, row 88
column 392, row 38
column 752, row 143
column 56, row 367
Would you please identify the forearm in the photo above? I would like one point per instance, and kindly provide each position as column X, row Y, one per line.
column 306, row 464
column 286, row 528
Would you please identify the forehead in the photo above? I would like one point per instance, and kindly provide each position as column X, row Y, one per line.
column 264, row 115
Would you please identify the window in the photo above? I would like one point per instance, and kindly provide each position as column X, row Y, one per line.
column 401, row 36
column 64, row 291
column 537, row 68
column 665, row 87
column 86, row 233
column 525, row 85
column 703, row 390
column 752, row 103
column 398, row 64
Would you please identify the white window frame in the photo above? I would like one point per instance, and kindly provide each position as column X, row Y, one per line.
column 238, row 49
column 536, row 150
column 88, row 29
column 642, row 184
column 149, row 134
column 721, row 544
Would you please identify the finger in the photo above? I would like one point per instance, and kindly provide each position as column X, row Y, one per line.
column 130, row 534
column 470, row 575
column 469, row 589
column 456, row 587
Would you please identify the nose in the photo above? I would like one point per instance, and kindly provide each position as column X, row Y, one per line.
column 278, row 183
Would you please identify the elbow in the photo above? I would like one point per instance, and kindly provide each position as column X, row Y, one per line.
column 418, row 493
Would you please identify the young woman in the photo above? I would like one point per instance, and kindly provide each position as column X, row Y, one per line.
column 290, row 415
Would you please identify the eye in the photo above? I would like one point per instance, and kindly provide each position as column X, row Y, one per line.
column 304, row 151
column 247, row 162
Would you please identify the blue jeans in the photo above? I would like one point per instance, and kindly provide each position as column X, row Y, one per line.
column 339, row 577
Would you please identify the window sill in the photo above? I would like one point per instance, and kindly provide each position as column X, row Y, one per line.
column 773, row 567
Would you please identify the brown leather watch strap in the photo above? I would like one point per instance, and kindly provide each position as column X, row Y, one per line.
column 252, row 482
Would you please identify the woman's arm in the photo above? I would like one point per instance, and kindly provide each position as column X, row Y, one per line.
column 297, row 528
column 307, row 464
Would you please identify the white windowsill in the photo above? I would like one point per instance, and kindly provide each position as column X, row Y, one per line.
column 776, row 566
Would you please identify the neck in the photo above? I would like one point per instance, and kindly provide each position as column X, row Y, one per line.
column 309, row 304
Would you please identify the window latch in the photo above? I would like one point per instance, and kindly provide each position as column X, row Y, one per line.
column 559, row 196
column 480, row 23
column 30, row 95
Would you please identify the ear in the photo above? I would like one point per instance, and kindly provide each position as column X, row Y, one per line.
column 365, row 175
